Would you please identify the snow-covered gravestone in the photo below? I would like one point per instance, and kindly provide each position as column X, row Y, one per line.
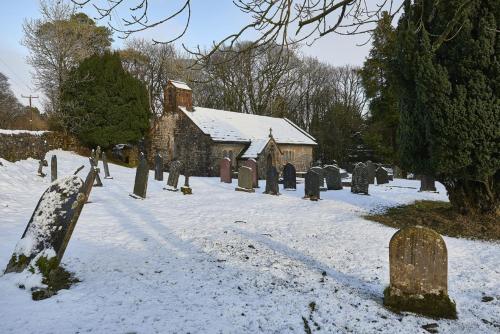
column 289, row 177
column 418, row 264
column 158, row 167
column 427, row 183
column 312, row 185
column 141, row 178
column 42, row 163
column 51, row 225
column 173, row 175
column 106, row 166
column 360, row 183
column 272, row 181
column 225, row 170
column 53, row 168
column 252, row 164
column 382, row 175
column 245, row 180
column 333, row 179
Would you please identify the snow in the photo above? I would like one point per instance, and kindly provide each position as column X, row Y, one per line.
column 256, row 146
column 17, row 132
column 221, row 261
column 180, row 85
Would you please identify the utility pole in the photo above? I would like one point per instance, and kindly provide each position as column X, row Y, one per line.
column 30, row 97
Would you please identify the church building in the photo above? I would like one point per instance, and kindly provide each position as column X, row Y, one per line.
column 200, row 137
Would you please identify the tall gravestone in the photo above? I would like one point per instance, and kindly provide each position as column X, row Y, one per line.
column 252, row 164
column 53, row 168
column 289, row 177
column 427, row 183
column 332, row 177
column 319, row 170
column 371, row 171
column 42, row 163
column 382, row 175
column 225, row 170
column 418, row 264
column 97, row 156
column 360, row 183
column 93, row 163
column 312, row 185
column 173, row 175
column 272, row 181
column 245, row 182
column 158, row 167
column 141, row 178
column 105, row 166
column 51, row 225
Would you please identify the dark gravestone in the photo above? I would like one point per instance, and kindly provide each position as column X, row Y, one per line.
column 359, row 183
column 272, row 179
column 371, row 171
column 158, row 167
column 93, row 163
column 418, row 265
column 312, row 185
column 106, row 166
column 321, row 174
column 245, row 182
column 42, row 163
column 427, row 183
column 89, row 182
column 289, row 177
column 225, row 170
column 382, row 175
column 141, row 178
column 51, row 225
column 53, row 168
column 333, row 179
column 252, row 164
column 173, row 175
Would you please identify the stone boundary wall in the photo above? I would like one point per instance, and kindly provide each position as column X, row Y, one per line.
column 20, row 145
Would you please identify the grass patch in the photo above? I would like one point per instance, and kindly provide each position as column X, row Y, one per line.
column 440, row 217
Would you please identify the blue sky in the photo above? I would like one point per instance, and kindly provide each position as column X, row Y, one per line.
column 211, row 20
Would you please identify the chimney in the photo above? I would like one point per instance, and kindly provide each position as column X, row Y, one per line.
column 177, row 94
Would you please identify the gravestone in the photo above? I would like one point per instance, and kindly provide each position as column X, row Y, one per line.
column 427, row 183
column 418, row 265
column 89, row 182
column 97, row 156
column 186, row 189
column 173, row 175
column 93, row 163
column 245, row 181
column 255, row 176
column 312, row 185
column 289, row 177
column 225, row 170
column 42, row 163
column 141, row 178
column 272, row 179
column 333, row 179
column 321, row 174
column 371, row 171
column 53, row 168
column 106, row 166
column 51, row 225
column 359, row 183
column 382, row 175
column 158, row 167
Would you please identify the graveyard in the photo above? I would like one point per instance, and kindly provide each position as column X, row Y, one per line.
column 216, row 260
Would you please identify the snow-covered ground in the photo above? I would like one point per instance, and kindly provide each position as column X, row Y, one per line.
column 222, row 261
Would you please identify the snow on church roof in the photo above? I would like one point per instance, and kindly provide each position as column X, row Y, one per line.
column 180, row 84
column 231, row 126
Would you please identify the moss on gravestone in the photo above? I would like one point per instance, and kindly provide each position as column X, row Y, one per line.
column 54, row 277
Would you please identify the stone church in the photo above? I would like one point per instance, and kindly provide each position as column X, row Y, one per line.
column 201, row 137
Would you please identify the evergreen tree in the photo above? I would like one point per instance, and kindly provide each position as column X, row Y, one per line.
column 104, row 104
column 448, row 71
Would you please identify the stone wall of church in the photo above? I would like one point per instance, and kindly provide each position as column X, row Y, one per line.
column 301, row 156
column 219, row 150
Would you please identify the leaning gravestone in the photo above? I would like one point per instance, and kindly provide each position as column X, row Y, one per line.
column 51, row 225
column 427, row 183
column 106, row 166
column 332, row 176
column 42, row 163
column 289, row 177
column 371, row 171
column 272, row 181
column 252, row 164
column 359, row 181
column 158, row 167
column 93, row 163
column 173, row 175
column 382, row 175
column 141, row 178
column 245, row 182
column 225, row 170
column 312, row 185
column 418, row 264
column 53, row 168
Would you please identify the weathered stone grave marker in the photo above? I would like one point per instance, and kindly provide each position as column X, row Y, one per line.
column 93, row 163
column 418, row 264
column 427, row 183
column 225, row 170
column 312, row 185
column 42, row 163
column 319, row 170
column 255, row 174
column 245, row 180
column 186, row 189
column 272, row 181
column 289, row 177
column 97, row 156
column 173, row 176
column 382, row 175
column 53, row 168
column 141, row 178
column 371, row 172
column 158, row 167
column 106, row 166
column 332, row 176
column 360, row 184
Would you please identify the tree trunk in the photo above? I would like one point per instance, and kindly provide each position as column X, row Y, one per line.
column 427, row 183
column 474, row 197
